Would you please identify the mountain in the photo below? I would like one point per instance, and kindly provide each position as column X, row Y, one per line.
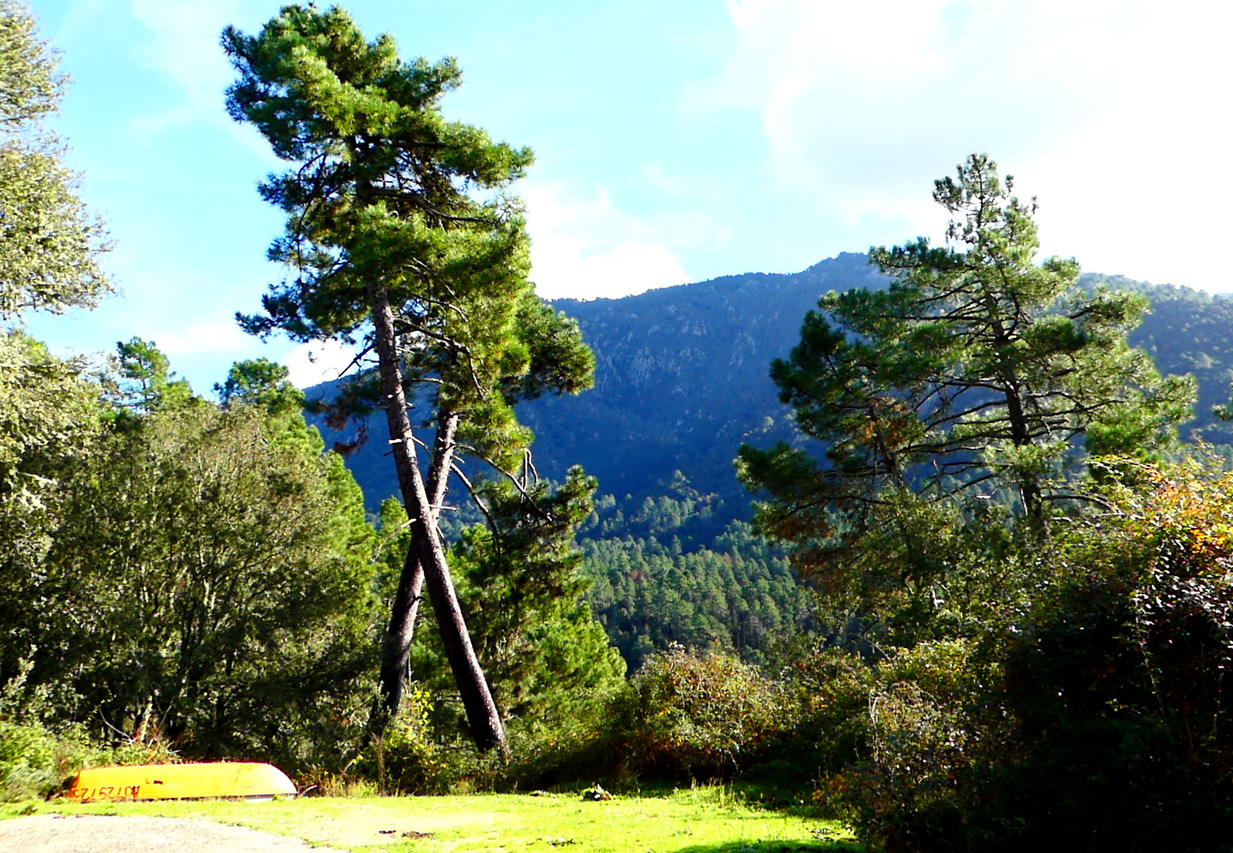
column 682, row 379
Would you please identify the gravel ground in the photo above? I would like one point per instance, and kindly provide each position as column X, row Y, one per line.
column 106, row 834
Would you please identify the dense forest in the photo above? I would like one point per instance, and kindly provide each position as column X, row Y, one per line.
column 670, row 497
column 934, row 539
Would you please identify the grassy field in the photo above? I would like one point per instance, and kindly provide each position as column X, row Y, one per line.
column 705, row 820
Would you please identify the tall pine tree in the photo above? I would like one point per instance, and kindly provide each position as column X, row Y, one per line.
column 976, row 373
column 401, row 241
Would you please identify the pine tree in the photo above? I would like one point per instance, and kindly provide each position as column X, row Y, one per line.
column 391, row 248
column 976, row 373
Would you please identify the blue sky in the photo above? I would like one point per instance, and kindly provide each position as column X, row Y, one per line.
column 675, row 141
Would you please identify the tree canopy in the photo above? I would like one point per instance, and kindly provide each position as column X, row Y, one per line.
column 49, row 243
column 203, row 577
column 976, row 374
column 401, row 239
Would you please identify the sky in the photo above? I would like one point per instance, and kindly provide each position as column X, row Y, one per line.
column 675, row 141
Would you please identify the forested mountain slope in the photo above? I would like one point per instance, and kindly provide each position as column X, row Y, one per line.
column 682, row 379
column 1187, row 331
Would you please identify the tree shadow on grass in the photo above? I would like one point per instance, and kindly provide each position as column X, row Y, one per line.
column 822, row 845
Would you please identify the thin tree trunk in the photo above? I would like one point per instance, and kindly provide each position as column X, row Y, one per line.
column 426, row 545
column 396, row 647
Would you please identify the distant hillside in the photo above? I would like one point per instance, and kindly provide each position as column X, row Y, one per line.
column 681, row 380
column 1187, row 331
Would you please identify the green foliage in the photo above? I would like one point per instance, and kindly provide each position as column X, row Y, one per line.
column 549, row 662
column 142, row 382
column 404, row 758
column 49, row 426
column 27, row 761
column 1115, row 680
column 958, row 399
column 682, row 380
column 736, row 594
column 521, row 587
column 975, row 369
column 1046, row 647
column 208, row 585
column 925, row 729
column 385, row 196
column 264, row 383
column 663, row 573
column 30, row 88
column 48, row 243
column 706, row 715
column 1091, row 711
column 831, row 686
column 48, row 419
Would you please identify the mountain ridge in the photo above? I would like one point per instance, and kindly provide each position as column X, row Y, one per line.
column 682, row 378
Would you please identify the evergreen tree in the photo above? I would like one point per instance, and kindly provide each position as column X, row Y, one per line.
column 975, row 372
column 390, row 247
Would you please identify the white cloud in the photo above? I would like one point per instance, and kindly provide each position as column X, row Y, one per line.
column 590, row 250
column 202, row 338
column 564, row 268
column 1106, row 110
column 313, row 363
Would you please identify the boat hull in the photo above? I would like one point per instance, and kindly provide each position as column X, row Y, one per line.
column 244, row 780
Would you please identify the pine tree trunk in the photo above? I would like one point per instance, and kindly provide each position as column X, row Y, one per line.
column 396, row 646
column 426, row 547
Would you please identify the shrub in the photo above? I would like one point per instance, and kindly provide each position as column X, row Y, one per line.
column 925, row 729
column 404, row 758
column 699, row 715
column 27, row 761
column 1094, row 717
column 832, row 727
column 36, row 761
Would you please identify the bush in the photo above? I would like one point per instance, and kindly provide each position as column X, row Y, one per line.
column 1092, row 719
column 699, row 715
column 832, row 692
column 404, row 758
column 924, row 730
column 28, row 765
column 36, row 761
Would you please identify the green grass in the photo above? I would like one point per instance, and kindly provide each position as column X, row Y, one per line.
column 704, row 820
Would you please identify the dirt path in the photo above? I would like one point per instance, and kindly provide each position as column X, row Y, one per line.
column 108, row 834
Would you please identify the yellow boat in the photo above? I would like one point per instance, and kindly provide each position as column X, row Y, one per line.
column 245, row 780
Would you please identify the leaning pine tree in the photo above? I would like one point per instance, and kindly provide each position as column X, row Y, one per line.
column 390, row 250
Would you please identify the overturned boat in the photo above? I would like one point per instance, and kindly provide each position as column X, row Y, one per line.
column 234, row 780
